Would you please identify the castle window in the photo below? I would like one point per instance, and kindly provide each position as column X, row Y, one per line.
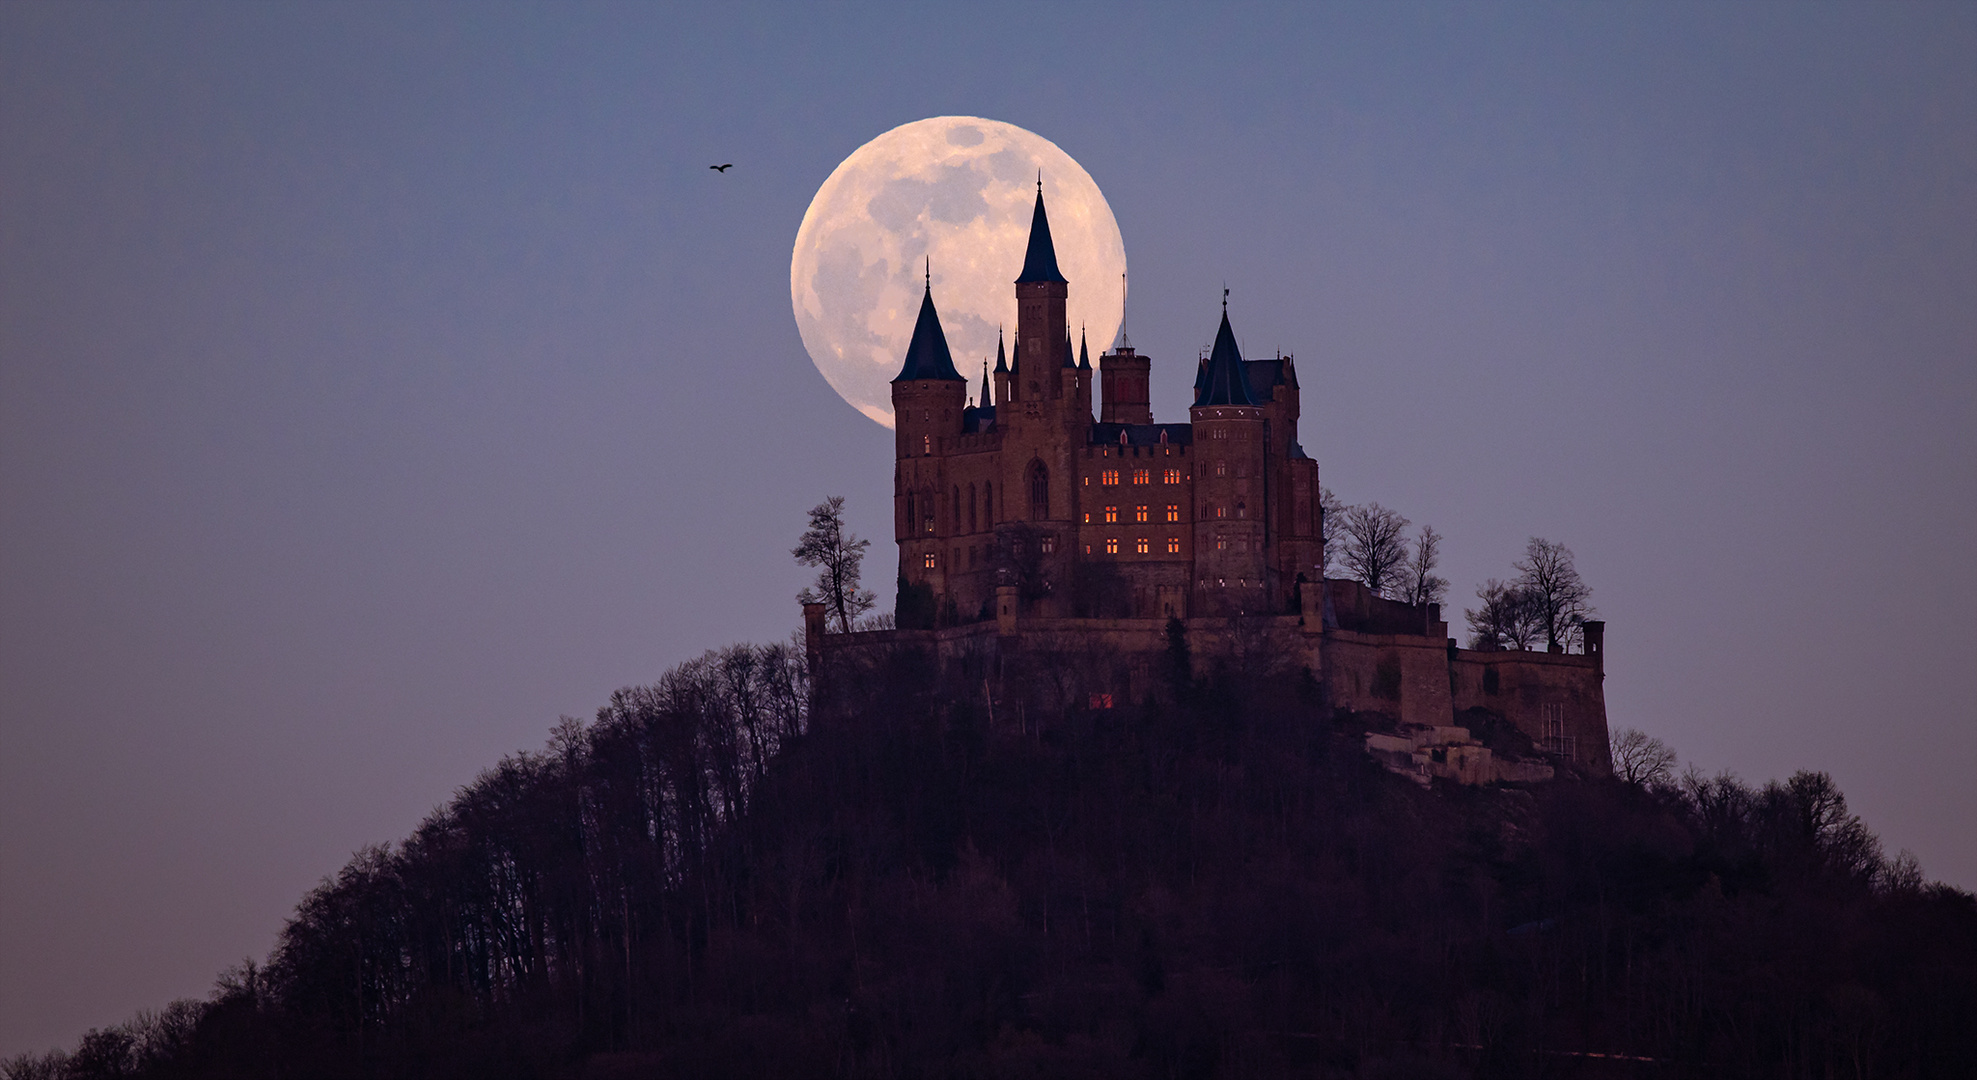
column 988, row 504
column 1221, row 468
column 1220, row 433
column 930, row 560
column 930, row 518
column 926, row 444
column 1221, row 511
column 1087, row 517
column 1039, row 491
column 1112, row 545
column 954, row 507
column 1087, row 481
column 971, row 508
column 1171, row 476
column 1140, row 545
column 1049, row 544
column 1140, row 513
column 1221, row 543
column 1173, row 511
column 1142, row 476
column 1109, row 478
column 1173, row 545
column 1111, row 515
column 1242, row 510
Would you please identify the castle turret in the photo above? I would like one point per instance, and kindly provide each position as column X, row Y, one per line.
column 1125, row 376
column 1231, row 492
column 927, row 400
column 1041, row 295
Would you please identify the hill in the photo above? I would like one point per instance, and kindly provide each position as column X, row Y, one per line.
column 719, row 877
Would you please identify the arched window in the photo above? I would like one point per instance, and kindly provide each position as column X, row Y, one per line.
column 1039, row 491
column 972, row 526
column 954, row 507
column 911, row 518
column 988, row 504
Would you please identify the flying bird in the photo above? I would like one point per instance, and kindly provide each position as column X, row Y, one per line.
column 722, row 168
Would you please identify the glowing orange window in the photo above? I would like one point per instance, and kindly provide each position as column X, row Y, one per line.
column 1140, row 545
column 1171, row 476
column 1112, row 515
column 1173, row 511
column 1173, row 545
column 1142, row 476
column 1112, row 545
column 1109, row 478
column 1140, row 513
column 930, row 560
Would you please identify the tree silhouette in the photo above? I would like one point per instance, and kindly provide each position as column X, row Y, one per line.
column 841, row 557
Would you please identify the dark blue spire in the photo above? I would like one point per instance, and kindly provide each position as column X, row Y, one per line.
column 1040, row 262
column 1223, row 381
column 1000, row 363
column 1084, row 351
column 984, row 399
column 927, row 357
column 1070, row 358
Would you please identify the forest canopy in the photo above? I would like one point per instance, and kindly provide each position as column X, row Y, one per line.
column 726, row 874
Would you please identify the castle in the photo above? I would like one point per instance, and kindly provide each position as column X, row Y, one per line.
column 1029, row 527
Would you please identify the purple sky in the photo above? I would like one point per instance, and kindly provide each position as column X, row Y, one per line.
column 379, row 383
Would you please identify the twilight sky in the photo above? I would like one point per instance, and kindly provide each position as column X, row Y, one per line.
column 378, row 383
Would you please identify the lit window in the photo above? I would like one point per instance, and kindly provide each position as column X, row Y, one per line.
column 1171, row 476
column 1140, row 514
column 1049, row 544
column 1109, row 478
column 930, row 560
column 1173, row 511
column 926, row 444
column 1221, row 511
column 1111, row 515
column 1221, row 468
column 1112, row 545
column 1140, row 545
column 1142, row 476
column 1221, row 544
column 1173, row 545
column 1087, row 517
column 1087, row 481
column 1087, row 549
column 1221, row 433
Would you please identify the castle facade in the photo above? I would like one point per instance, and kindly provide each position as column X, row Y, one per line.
column 1096, row 514
column 1048, row 553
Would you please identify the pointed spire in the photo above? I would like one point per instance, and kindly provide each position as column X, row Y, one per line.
column 1084, row 351
column 985, row 400
column 1070, row 358
column 1000, row 363
column 927, row 357
column 1223, row 380
column 1040, row 261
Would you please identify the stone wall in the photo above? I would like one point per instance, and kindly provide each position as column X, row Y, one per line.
column 1555, row 698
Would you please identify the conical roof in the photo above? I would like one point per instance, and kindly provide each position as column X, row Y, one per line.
column 1084, row 351
column 984, row 400
column 927, row 357
column 1070, row 358
column 1001, row 364
column 1040, row 262
column 1223, row 380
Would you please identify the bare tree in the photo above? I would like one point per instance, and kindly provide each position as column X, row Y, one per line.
column 1548, row 578
column 1331, row 528
column 1506, row 620
column 1419, row 582
column 1375, row 546
column 841, row 556
column 1641, row 759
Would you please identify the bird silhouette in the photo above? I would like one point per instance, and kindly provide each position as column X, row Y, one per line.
column 722, row 168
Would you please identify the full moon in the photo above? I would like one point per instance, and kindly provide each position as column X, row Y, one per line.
column 959, row 191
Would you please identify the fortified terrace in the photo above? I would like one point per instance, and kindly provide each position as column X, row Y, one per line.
column 1045, row 547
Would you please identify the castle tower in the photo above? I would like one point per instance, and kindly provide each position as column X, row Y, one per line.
column 1041, row 294
column 1231, row 489
column 1125, row 377
column 927, row 400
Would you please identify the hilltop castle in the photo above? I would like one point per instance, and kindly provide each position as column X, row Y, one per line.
column 1028, row 527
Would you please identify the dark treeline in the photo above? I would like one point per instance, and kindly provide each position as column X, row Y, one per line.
column 715, row 879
